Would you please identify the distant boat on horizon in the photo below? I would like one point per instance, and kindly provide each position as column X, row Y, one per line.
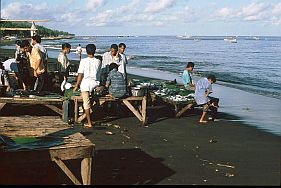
column 230, row 39
column 185, row 37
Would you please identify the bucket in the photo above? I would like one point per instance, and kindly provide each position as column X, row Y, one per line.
column 138, row 91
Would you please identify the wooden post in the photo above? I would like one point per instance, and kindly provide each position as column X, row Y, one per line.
column 76, row 110
column 86, row 169
column 65, row 107
column 144, row 119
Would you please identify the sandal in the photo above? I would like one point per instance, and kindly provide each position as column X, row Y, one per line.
column 87, row 126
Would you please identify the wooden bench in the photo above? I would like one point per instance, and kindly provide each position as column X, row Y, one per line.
column 48, row 102
column 74, row 145
column 139, row 112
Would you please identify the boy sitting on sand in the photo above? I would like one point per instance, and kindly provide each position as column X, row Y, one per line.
column 89, row 77
column 203, row 88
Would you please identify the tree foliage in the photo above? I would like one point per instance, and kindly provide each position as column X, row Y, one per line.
column 43, row 31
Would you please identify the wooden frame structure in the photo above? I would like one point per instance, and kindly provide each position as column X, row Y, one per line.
column 74, row 145
column 139, row 112
column 179, row 107
column 48, row 102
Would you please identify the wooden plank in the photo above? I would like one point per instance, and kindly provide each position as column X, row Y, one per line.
column 130, row 106
column 86, row 169
column 67, row 171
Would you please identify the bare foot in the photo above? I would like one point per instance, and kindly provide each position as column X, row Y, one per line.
column 203, row 122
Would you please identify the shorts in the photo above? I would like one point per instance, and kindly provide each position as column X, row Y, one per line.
column 86, row 99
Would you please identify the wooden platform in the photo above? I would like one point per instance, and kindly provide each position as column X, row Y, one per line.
column 139, row 112
column 51, row 103
column 74, row 145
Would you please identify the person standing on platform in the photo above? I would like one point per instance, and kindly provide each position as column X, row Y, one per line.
column 88, row 79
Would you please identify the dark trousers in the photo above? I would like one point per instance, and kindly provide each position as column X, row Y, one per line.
column 214, row 110
column 40, row 82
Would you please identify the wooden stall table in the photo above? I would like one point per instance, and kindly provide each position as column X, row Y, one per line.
column 48, row 102
column 139, row 112
column 73, row 145
column 180, row 107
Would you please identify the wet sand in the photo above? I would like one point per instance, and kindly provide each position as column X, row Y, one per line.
column 167, row 151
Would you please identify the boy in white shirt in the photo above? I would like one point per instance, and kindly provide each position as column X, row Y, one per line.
column 89, row 78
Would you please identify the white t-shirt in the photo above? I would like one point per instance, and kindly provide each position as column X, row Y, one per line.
column 107, row 59
column 122, row 64
column 90, row 68
column 11, row 65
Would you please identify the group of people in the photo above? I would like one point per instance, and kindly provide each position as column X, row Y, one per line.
column 203, row 88
column 30, row 65
column 96, row 73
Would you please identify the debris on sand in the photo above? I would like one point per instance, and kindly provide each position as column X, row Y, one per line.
column 229, row 175
column 109, row 133
column 213, row 141
column 227, row 166
column 116, row 126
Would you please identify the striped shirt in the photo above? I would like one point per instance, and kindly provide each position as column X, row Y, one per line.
column 117, row 84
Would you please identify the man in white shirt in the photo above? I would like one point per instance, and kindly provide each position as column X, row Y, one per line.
column 109, row 57
column 89, row 78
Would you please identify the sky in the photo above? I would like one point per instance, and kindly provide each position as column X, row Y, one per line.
column 152, row 17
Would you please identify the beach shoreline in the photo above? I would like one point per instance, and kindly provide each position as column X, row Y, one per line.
column 169, row 151
column 264, row 116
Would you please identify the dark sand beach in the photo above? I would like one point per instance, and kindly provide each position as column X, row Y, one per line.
column 167, row 151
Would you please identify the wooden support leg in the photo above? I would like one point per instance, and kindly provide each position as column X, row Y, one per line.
column 184, row 110
column 2, row 105
column 55, row 109
column 131, row 107
column 144, row 119
column 76, row 110
column 67, row 171
column 86, row 169
column 65, row 110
